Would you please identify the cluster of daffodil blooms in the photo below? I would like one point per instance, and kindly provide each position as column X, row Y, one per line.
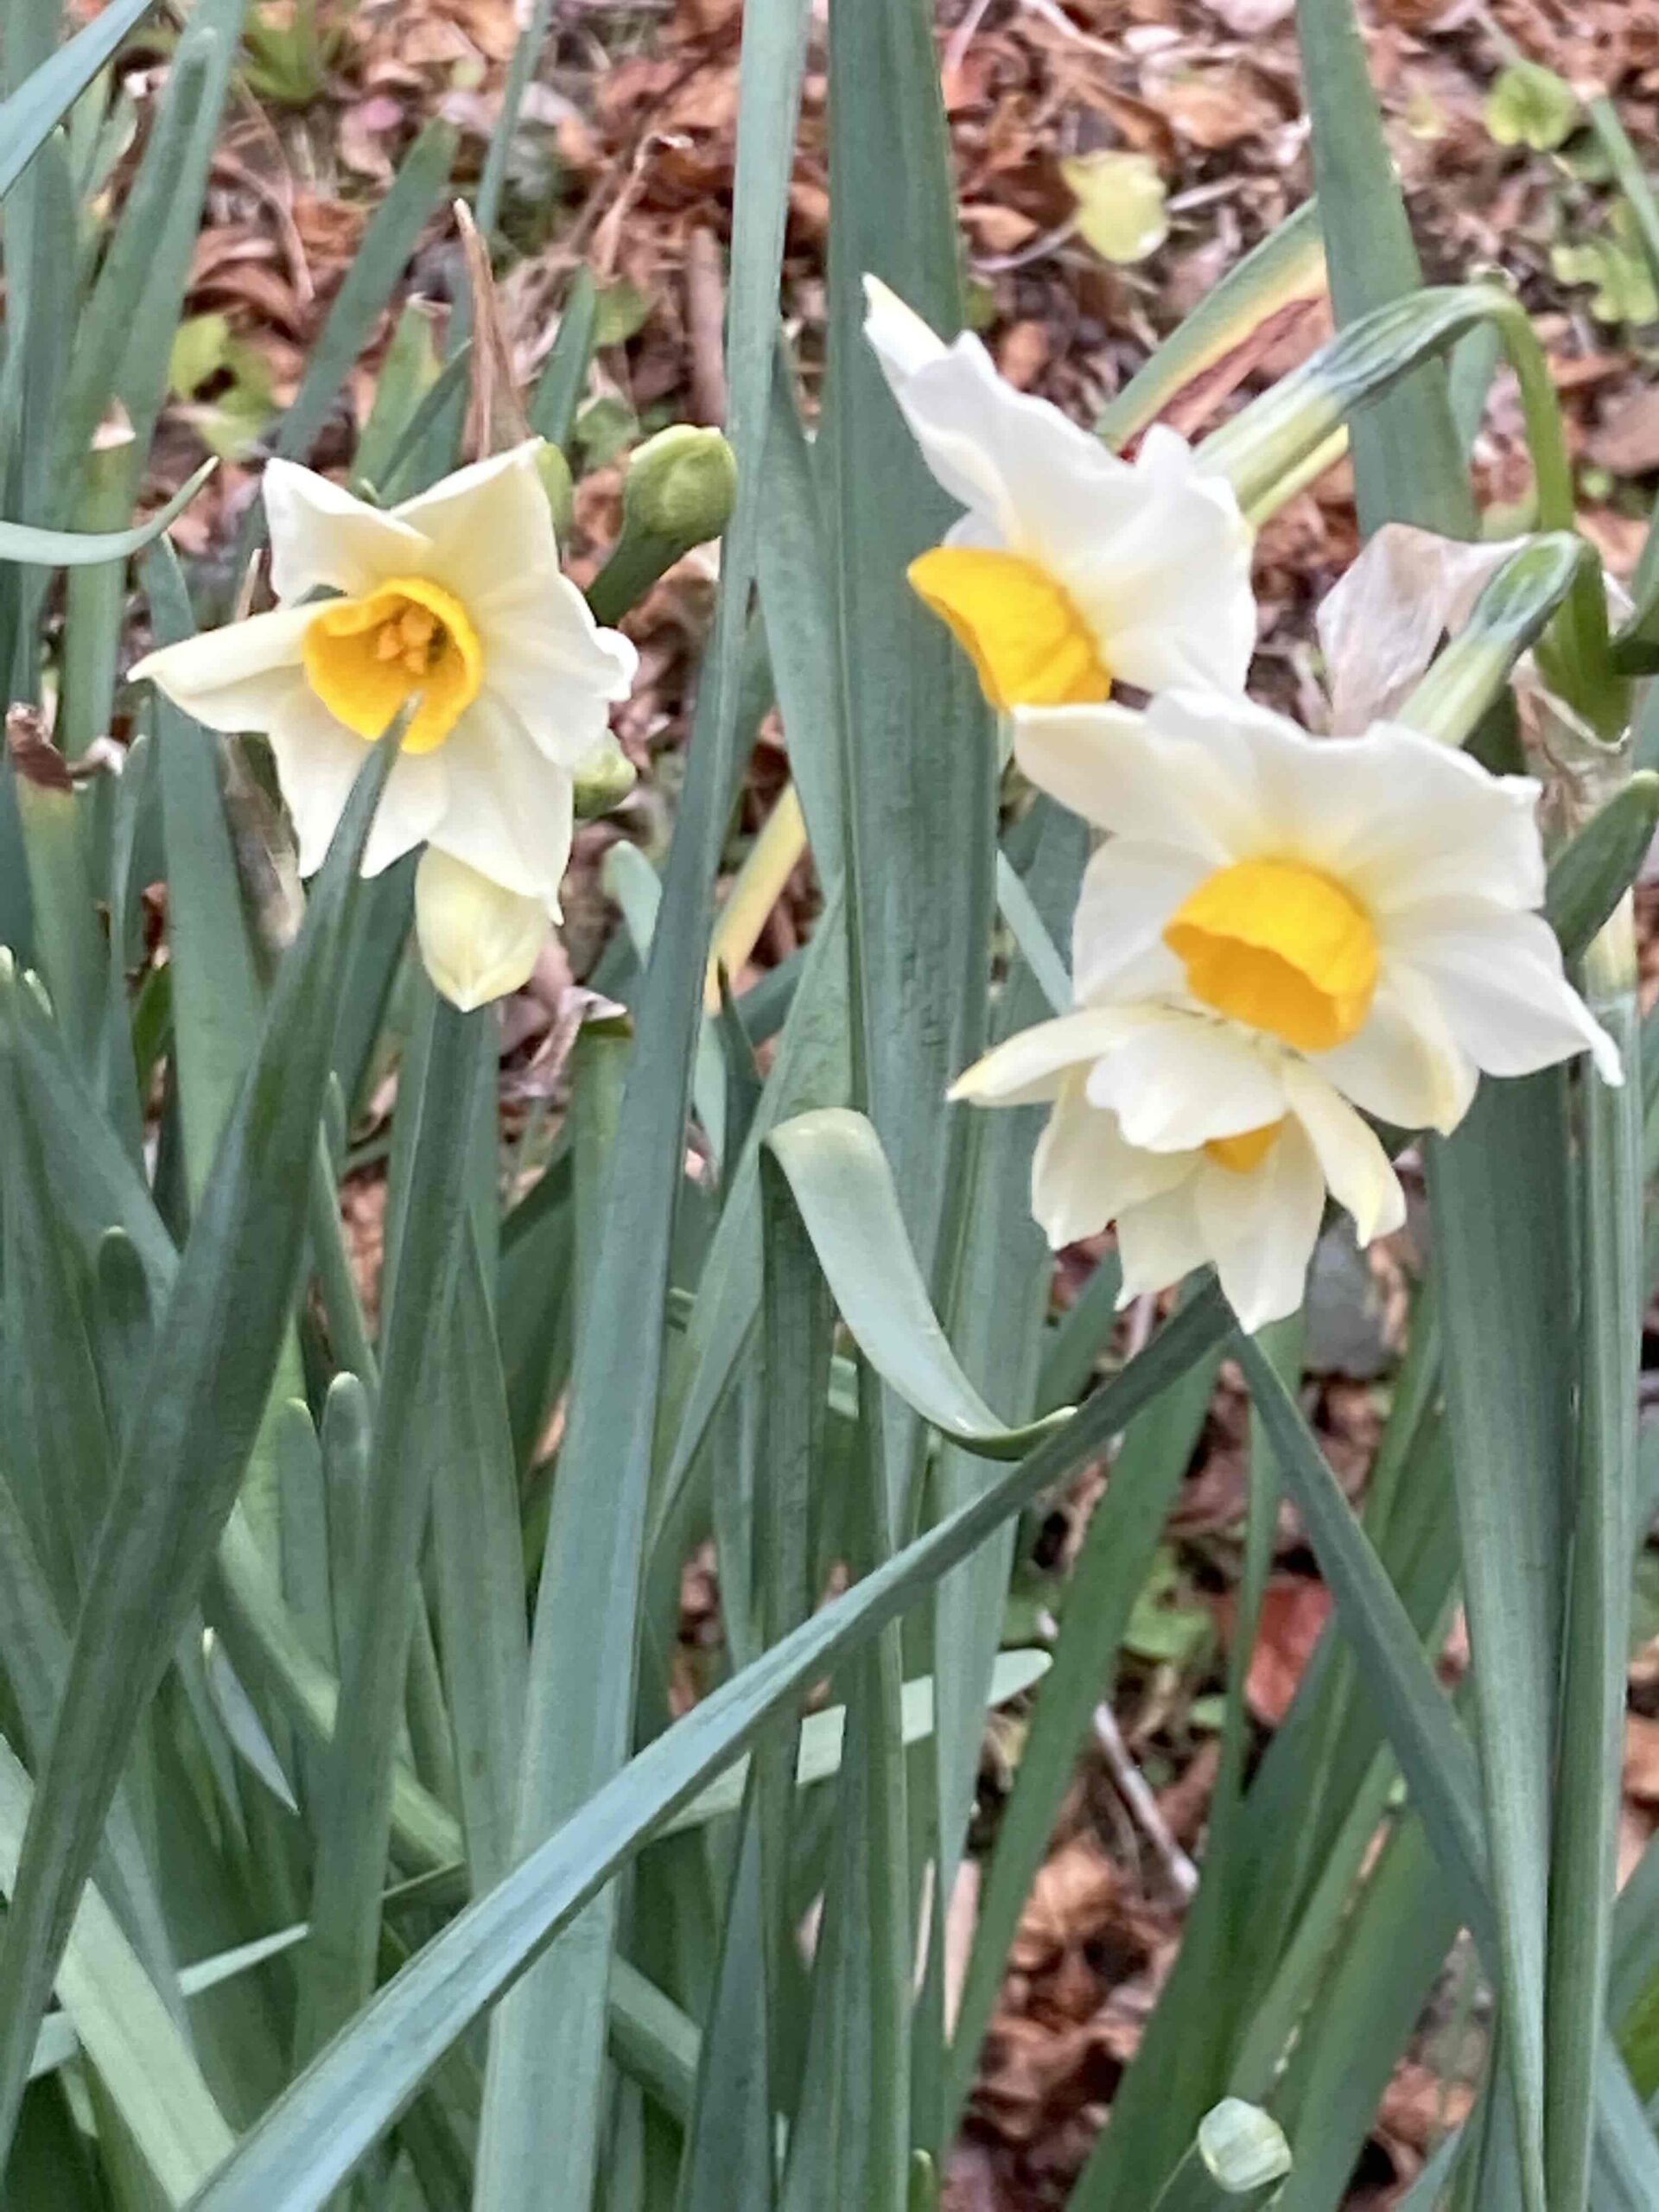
column 1280, row 933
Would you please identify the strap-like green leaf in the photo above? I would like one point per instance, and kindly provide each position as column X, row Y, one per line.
column 844, row 1188
column 204, row 1396
column 538, row 2137
column 124, row 2027
column 45, row 96
column 315, row 2135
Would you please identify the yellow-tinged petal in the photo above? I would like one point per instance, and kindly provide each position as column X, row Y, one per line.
column 1020, row 626
column 1282, row 947
column 478, row 940
column 1240, row 1154
column 364, row 656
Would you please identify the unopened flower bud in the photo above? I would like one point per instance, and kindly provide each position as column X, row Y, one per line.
column 681, row 484
column 477, row 939
column 1242, row 2147
column 603, row 781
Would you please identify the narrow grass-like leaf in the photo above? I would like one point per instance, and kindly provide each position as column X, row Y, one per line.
column 85, row 548
column 1592, row 872
column 96, row 1178
column 407, row 374
column 205, row 1393
column 565, row 373
column 410, row 1423
column 125, row 336
column 1438, row 1764
column 315, row 2134
column 1389, row 1949
column 57, row 829
column 1407, row 461
column 1583, row 1876
column 123, row 2025
column 796, row 600
column 383, row 253
column 538, row 2136
column 1427, row 1735
column 58, row 1437
column 999, row 1299
column 94, row 599
column 480, row 1571
column 844, row 1188
column 532, row 35
column 1037, row 947
column 1110, row 1574
column 217, row 1003
column 36, row 1647
column 809, row 1070
column 1286, row 270
column 47, row 93
column 1503, row 1279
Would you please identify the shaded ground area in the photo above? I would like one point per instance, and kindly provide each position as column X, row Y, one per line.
column 623, row 160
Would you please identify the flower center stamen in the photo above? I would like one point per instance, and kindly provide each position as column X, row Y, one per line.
column 1021, row 628
column 364, row 656
column 1246, row 1150
column 1281, row 947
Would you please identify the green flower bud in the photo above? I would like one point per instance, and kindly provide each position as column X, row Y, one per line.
column 1242, row 2147
column 604, row 782
column 681, row 484
column 559, row 486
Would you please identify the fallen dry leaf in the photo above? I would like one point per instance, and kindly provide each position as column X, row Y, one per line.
column 1626, row 441
column 1295, row 1611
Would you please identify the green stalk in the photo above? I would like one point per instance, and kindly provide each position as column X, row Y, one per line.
column 1583, row 1870
column 1277, row 434
column 1469, row 678
column 93, row 597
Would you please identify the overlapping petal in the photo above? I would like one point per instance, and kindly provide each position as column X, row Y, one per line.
column 1149, row 1104
column 1154, row 554
column 1440, row 862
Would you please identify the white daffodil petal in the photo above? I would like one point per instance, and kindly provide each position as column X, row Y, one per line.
column 1177, row 1083
column 317, row 763
column 241, row 678
column 509, row 812
column 1130, row 892
column 1010, row 459
column 486, row 522
column 1357, row 1170
column 478, row 940
column 899, row 334
column 1030, row 1066
column 1402, row 819
column 1499, row 981
column 1168, row 776
column 320, row 535
column 1261, row 1227
column 1404, row 1066
column 1167, row 591
column 1082, row 1174
column 553, row 664
column 1158, row 1242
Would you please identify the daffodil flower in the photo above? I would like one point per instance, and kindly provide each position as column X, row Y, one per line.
column 1204, row 1142
column 1073, row 570
column 453, row 601
column 1368, row 902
